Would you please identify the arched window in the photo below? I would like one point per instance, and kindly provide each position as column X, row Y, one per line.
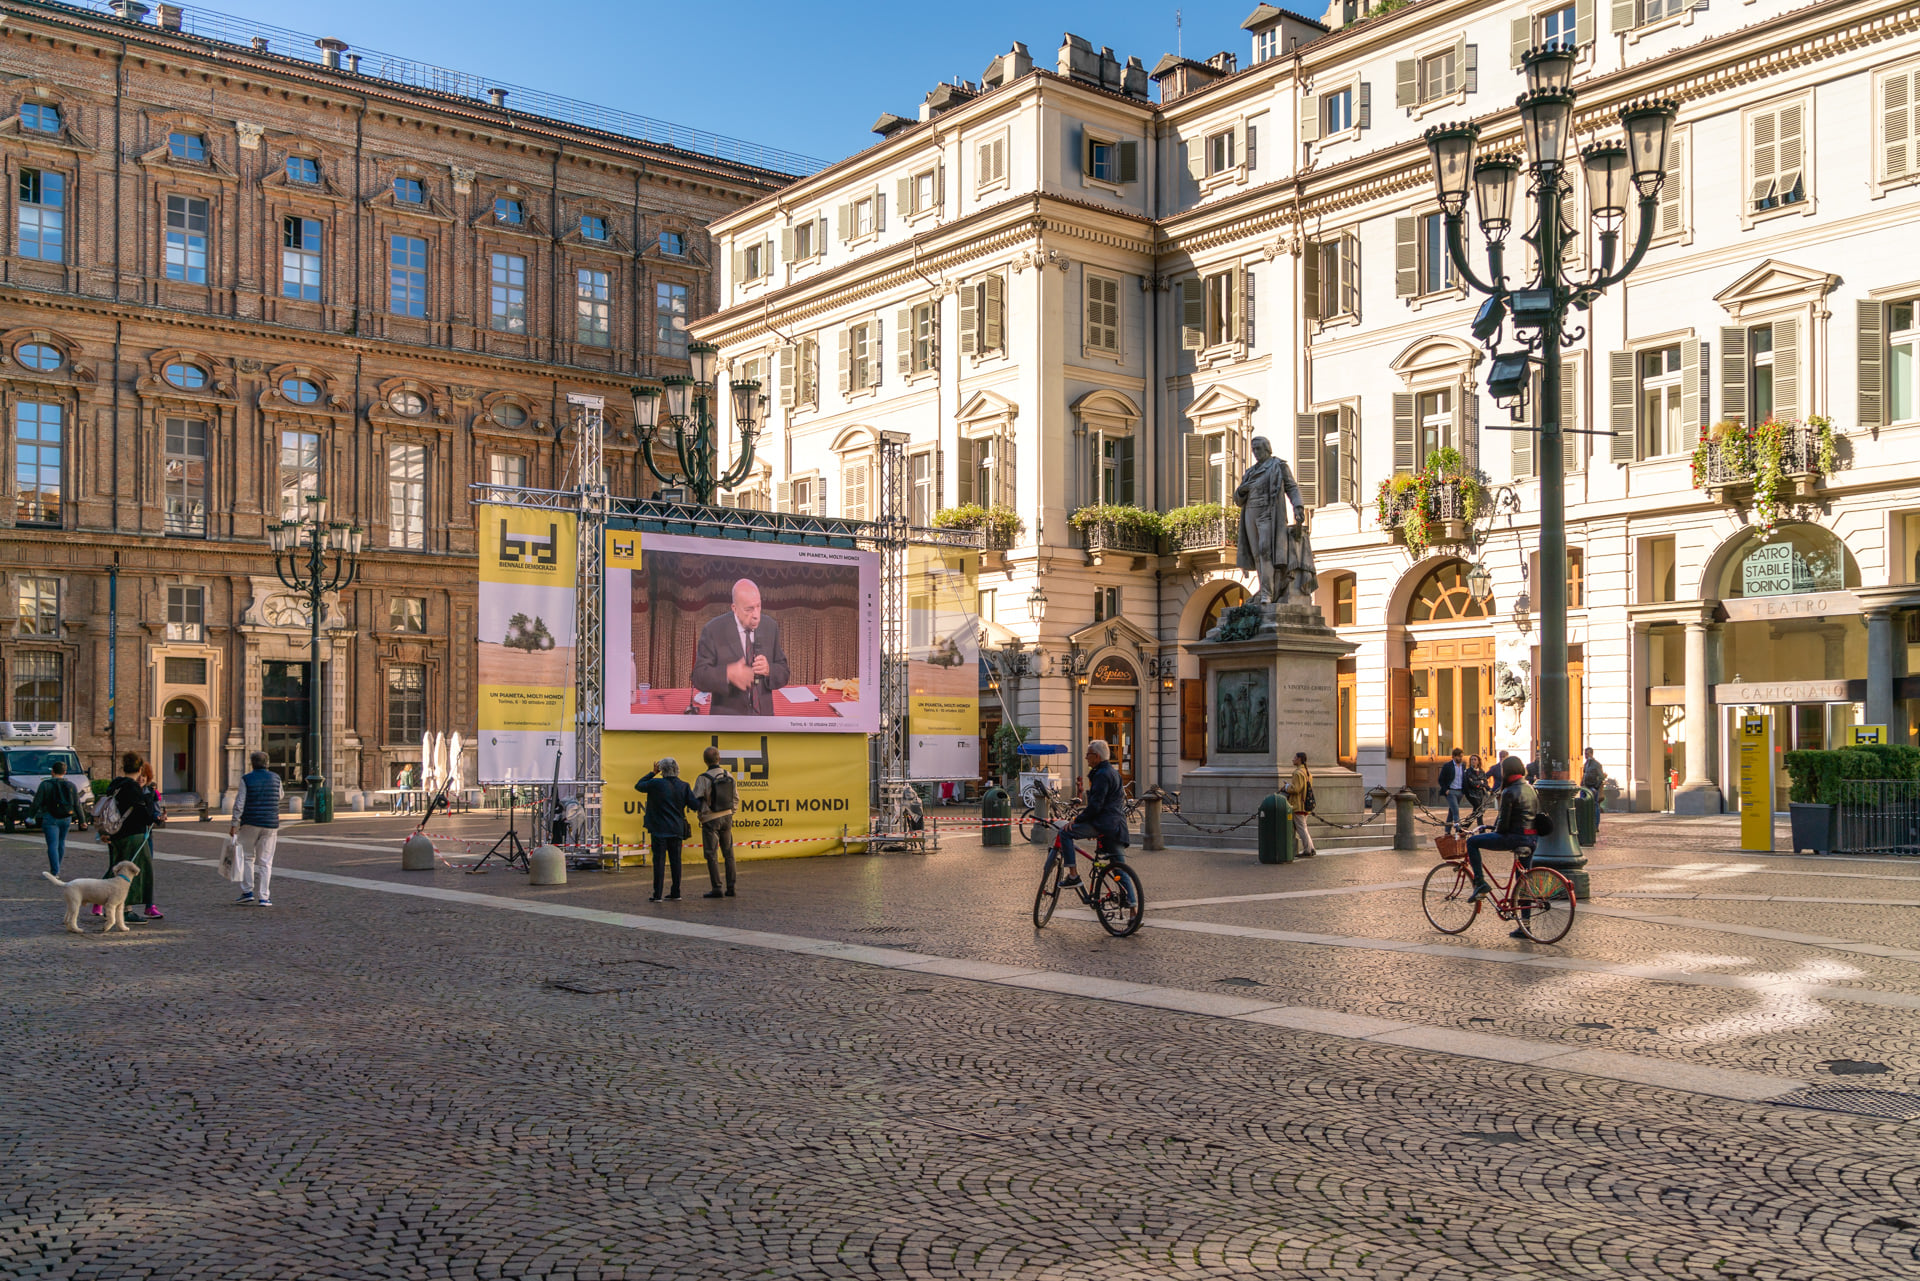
column 1443, row 597
column 1786, row 561
column 410, row 404
column 299, row 391
column 189, row 377
column 1343, row 600
column 1229, row 597
column 37, row 355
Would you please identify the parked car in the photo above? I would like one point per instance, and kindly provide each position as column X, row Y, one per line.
column 23, row 769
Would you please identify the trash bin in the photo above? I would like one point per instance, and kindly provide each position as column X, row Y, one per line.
column 322, row 803
column 1276, row 830
column 1586, row 815
column 996, row 813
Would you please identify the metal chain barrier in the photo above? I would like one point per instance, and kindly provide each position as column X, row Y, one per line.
column 1214, row 831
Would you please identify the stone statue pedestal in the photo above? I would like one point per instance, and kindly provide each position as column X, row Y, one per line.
column 1268, row 696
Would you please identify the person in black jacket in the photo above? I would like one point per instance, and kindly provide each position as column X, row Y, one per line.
column 138, row 802
column 1519, row 803
column 1453, row 784
column 1479, row 784
column 1104, row 817
column 668, row 799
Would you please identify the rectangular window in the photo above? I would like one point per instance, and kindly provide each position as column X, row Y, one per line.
column 299, row 471
column 409, row 191
column 1333, row 277
column 508, row 311
column 1656, row 10
column 1266, row 46
column 755, row 261
column 1660, row 412
column 1331, row 480
column 37, row 606
column 921, row 338
column 990, row 164
column 407, row 276
column 1220, row 151
column 860, row 358
column 920, row 480
column 407, row 614
column 300, row 258
column 670, row 320
column 38, row 444
column 1222, row 302
column 1576, row 578
column 925, row 189
column 1760, row 373
column 303, row 169
column 1103, row 160
column 1435, row 424
column 803, row 240
column 1214, row 484
column 406, row 702
column 185, row 671
column 407, row 496
column 1436, row 265
column 187, row 146
column 1345, row 588
column 1557, row 28
column 1903, row 361
column 1106, row 603
column 1103, row 314
column 185, row 481
column 187, row 239
column 593, row 308
column 508, row 211
column 593, row 227
column 802, row 496
column 1439, row 75
column 1776, row 157
column 36, row 686
column 1114, row 484
column 39, row 117
column 508, row 470
column 672, row 242
column 866, row 216
column 1336, row 112
column 43, row 215
column 186, row 613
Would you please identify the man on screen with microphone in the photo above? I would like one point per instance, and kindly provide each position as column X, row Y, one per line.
column 739, row 660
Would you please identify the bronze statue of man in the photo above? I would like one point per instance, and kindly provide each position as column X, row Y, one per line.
column 1270, row 544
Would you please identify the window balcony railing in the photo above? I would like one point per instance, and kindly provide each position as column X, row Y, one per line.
column 1770, row 466
column 1438, row 512
column 1112, row 529
column 1204, row 536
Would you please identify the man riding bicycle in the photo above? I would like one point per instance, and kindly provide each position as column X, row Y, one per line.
column 1105, row 814
column 1519, row 803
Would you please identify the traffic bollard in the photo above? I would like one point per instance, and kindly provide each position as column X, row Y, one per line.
column 1151, row 838
column 1276, row 830
column 416, row 853
column 1403, row 838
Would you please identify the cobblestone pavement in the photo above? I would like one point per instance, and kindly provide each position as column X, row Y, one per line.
column 365, row 1084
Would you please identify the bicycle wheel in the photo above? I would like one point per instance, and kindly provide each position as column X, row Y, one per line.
column 1028, row 825
column 1445, row 897
column 1543, row 900
column 1048, row 895
column 1118, row 899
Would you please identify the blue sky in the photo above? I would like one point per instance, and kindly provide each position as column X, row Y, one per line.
column 777, row 74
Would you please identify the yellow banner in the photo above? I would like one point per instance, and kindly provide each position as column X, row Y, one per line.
column 797, row 792
column 1756, row 783
column 525, row 640
column 526, row 545
column 943, row 667
column 623, row 549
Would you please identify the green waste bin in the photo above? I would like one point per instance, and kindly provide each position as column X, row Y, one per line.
column 996, row 813
column 1586, row 816
column 1276, row 830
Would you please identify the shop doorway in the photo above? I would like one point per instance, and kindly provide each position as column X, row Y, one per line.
column 284, row 718
column 179, row 747
column 1452, row 703
column 1797, row 727
column 1116, row 726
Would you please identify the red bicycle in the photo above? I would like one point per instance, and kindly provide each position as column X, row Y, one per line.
column 1539, row 898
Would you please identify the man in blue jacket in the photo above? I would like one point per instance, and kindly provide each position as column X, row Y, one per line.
column 256, row 827
column 668, row 799
column 1105, row 815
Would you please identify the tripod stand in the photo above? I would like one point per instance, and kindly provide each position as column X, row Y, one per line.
column 508, row 848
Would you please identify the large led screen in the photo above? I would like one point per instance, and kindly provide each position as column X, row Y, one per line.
column 711, row 634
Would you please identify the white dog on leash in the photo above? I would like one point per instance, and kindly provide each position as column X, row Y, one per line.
column 112, row 893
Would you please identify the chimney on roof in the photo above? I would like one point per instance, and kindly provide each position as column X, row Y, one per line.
column 1078, row 61
column 330, row 51
column 1007, row 68
column 498, row 97
column 1224, row 62
column 169, row 17
column 353, row 63
column 129, row 11
column 259, row 44
column 1178, row 77
column 946, row 97
column 889, row 124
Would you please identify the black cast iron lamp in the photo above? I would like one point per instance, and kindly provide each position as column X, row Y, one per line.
column 1037, row 604
column 1608, row 179
column 1649, row 127
column 1550, row 68
column 301, row 550
column 705, row 358
column 1452, row 149
column 1546, row 118
column 1493, row 180
column 646, row 411
column 677, row 386
column 746, row 404
column 1480, row 582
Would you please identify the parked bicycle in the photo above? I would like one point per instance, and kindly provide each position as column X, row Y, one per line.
column 1110, row 888
column 1540, row 899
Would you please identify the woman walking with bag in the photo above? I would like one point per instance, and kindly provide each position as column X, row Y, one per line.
column 1300, row 797
column 134, row 809
column 55, row 807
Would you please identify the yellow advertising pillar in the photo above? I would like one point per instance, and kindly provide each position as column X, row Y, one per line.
column 1756, row 783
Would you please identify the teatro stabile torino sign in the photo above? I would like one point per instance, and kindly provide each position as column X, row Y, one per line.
column 1777, row 583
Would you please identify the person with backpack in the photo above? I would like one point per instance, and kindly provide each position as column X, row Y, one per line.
column 668, row 797
column 1300, row 797
column 716, row 793
column 126, row 816
column 1516, row 826
column 256, row 830
column 56, row 804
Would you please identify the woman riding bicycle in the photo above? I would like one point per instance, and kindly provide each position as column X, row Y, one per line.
column 1105, row 814
column 1519, row 803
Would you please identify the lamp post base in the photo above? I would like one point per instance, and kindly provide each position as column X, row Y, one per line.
column 1561, row 851
column 318, row 805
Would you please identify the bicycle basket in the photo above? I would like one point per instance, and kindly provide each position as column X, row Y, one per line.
column 1451, row 846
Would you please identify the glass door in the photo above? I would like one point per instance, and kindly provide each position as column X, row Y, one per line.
column 284, row 718
column 1452, row 704
column 1115, row 725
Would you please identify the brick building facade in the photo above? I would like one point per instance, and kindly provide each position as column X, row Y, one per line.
column 229, row 278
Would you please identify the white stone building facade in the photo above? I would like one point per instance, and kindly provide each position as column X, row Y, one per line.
column 1064, row 293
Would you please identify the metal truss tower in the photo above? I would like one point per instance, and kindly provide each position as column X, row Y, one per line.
column 588, row 474
column 892, row 544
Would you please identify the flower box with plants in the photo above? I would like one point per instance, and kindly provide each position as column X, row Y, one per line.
column 1203, row 527
column 1114, row 527
column 1434, row 506
column 1776, row 463
column 1000, row 527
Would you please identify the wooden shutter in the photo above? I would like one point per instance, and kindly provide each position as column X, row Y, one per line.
column 1733, row 374
column 1311, row 266
column 788, row 356
column 809, row 371
column 1870, row 338
column 879, row 209
column 1245, row 318
column 970, row 318
column 1625, row 16
column 963, row 491
column 853, row 503
column 1406, row 257
column 844, row 215
column 820, row 237
column 903, row 194
column 903, row 340
column 1129, row 162
column 1521, row 40
column 1400, row 713
column 1310, row 110
column 1792, row 147
column 846, row 360
column 1673, row 189
column 1691, row 402
column 1239, row 156
column 876, row 350
column 1570, row 452
column 939, row 184
column 1253, row 147
column 1403, row 450
column 739, row 267
column 1469, row 403
column 999, row 159
column 1196, row 469
column 1585, row 20
column 982, row 164
column 1406, row 83
column 1621, row 391
column 1196, row 149
column 1786, row 370
column 783, row 496
column 1363, row 105
column 1193, row 315
column 1349, row 456
column 1086, row 154
column 1466, row 62
column 993, row 314
column 1520, row 455
column 1007, row 454
column 1193, row 720
column 1898, row 155
column 1764, row 156
column 786, row 244
column 1350, row 274
column 1124, row 452
column 1306, row 457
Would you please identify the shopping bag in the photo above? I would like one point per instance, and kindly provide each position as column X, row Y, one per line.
column 230, row 864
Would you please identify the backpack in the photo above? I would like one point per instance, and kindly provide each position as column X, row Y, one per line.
column 61, row 800
column 1542, row 825
column 108, row 816
column 721, row 793
column 1308, row 805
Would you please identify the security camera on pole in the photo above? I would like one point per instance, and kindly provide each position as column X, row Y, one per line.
column 1536, row 313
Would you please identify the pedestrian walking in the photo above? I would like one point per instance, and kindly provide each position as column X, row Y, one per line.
column 1479, row 787
column 407, row 783
column 668, row 799
column 1453, row 785
column 716, row 793
column 1593, row 778
column 1300, row 796
column 55, row 806
column 256, row 829
column 137, row 805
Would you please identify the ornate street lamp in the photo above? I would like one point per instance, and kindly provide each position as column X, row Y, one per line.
column 301, row 550
column 1037, row 605
column 1536, row 313
column 689, row 428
